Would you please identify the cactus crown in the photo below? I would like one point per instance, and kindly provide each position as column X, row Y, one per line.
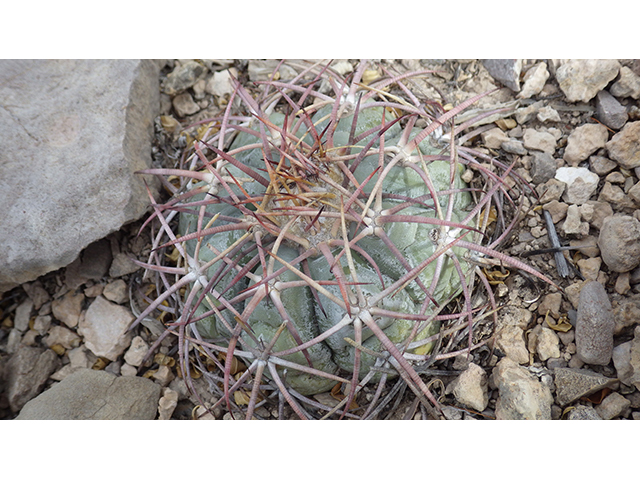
column 321, row 239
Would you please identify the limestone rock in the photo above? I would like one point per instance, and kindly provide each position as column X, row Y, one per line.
column 601, row 211
column 68, row 308
column 26, row 373
column 634, row 193
column 627, row 313
column 220, row 85
column 182, row 77
column 548, row 114
column 167, row 404
column 612, row 406
column 581, row 80
column 614, row 195
column 550, row 190
column 595, row 325
column 104, row 328
column 116, row 291
column 136, row 352
column 536, row 140
column 122, row 265
column 494, row 138
column 525, row 114
column 583, row 141
column 510, row 340
column 550, row 304
column 557, row 210
column 23, row 315
column 59, row 335
column 36, row 293
column 587, row 246
column 83, row 127
column 619, row 243
column 624, row 147
column 590, row 267
column 544, row 342
column 628, row 85
column 581, row 184
column 534, row 80
column 521, row 395
column 471, row 388
column 626, row 359
column 95, row 395
column 184, row 105
column 601, row 165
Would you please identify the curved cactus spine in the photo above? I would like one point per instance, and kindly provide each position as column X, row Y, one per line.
column 325, row 238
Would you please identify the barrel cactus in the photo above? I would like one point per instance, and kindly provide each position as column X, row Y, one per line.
column 323, row 231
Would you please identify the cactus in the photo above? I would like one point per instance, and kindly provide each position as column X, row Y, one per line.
column 323, row 237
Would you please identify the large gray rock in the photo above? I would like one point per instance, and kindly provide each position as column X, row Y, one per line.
column 73, row 132
column 619, row 243
column 581, row 80
column 26, row 373
column 594, row 325
column 95, row 395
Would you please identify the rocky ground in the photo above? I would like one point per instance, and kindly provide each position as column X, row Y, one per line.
column 573, row 129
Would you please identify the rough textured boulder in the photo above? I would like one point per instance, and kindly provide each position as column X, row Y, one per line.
column 73, row 132
column 95, row 395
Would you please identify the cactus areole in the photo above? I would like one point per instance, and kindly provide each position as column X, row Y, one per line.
column 322, row 235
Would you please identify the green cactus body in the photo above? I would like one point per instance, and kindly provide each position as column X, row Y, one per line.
column 307, row 316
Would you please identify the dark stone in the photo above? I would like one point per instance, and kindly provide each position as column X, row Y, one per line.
column 609, row 111
column 543, row 167
column 507, row 72
column 92, row 264
column 514, row 146
column 26, row 373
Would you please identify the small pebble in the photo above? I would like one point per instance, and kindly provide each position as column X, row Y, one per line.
column 116, row 291
column 583, row 412
column 612, row 406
